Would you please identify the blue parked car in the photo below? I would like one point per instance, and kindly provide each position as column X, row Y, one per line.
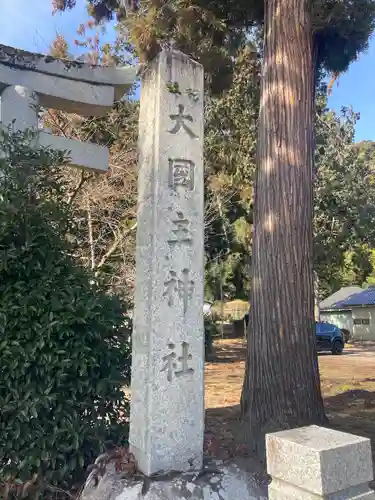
column 329, row 338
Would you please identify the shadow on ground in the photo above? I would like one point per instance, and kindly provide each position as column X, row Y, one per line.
column 348, row 388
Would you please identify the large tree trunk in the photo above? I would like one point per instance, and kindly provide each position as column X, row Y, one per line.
column 282, row 384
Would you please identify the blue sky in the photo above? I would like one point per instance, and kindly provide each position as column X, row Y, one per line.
column 29, row 25
column 356, row 88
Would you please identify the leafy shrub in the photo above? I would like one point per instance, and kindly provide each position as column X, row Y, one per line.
column 62, row 361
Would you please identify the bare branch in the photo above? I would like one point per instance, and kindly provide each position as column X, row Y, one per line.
column 91, row 238
column 74, row 194
column 114, row 246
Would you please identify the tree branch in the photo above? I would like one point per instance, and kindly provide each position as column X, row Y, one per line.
column 113, row 247
column 83, row 179
column 91, row 238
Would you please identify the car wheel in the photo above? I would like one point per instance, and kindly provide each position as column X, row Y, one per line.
column 337, row 347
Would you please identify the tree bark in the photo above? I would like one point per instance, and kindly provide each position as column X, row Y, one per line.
column 282, row 384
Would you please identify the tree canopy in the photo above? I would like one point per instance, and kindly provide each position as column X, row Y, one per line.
column 211, row 31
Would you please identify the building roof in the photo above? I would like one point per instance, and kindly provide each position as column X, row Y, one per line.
column 363, row 298
column 339, row 296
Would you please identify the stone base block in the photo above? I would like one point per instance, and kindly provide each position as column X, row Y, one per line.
column 214, row 482
column 313, row 462
column 279, row 490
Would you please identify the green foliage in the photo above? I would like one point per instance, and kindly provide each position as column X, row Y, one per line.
column 210, row 30
column 227, row 275
column 370, row 278
column 344, row 189
column 342, row 30
column 358, row 266
column 62, row 357
column 230, row 150
column 344, row 202
column 366, row 151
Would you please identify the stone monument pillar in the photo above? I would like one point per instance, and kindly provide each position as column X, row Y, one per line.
column 167, row 407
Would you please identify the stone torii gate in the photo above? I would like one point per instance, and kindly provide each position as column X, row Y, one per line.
column 28, row 80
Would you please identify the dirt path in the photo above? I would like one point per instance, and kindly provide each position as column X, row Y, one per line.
column 348, row 385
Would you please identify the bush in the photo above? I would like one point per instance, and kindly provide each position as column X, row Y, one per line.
column 62, row 361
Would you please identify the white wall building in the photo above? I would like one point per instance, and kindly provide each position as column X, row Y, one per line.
column 352, row 309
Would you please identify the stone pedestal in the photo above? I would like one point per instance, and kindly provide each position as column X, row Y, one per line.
column 167, row 407
column 316, row 463
column 214, row 482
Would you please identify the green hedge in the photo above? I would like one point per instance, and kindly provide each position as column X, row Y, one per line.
column 62, row 359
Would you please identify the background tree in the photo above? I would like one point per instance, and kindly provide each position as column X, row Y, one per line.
column 230, row 147
column 282, row 385
column 344, row 202
column 104, row 206
column 278, row 393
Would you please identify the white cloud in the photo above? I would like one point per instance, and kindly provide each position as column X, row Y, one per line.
column 29, row 24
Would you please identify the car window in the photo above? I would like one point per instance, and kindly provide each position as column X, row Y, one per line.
column 327, row 328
